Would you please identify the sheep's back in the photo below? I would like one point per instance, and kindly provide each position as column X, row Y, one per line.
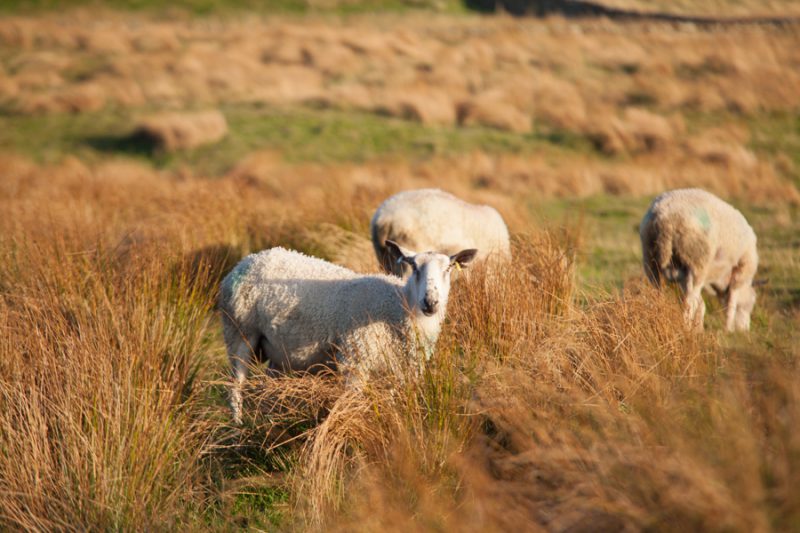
column 272, row 278
column 305, row 305
column 698, row 226
column 433, row 220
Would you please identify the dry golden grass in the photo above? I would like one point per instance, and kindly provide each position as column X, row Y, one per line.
column 628, row 89
column 638, row 131
column 493, row 111
column 104, row 314
column 428, row 106
column 538, row 411
column 557, row 73
column 97, row 381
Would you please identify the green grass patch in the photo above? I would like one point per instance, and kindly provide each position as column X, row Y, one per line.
column 299, row 133
column 261, row 508
column 779, row 254
column 610, row 252
column 778, row 135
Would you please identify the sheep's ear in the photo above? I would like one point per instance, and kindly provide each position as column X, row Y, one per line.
column 398, row 252
column 463, row 257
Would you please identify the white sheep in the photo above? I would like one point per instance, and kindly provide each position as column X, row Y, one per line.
column 431, row 219
column 691, row 237
column 298, row 312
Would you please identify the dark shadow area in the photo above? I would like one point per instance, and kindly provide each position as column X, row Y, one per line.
column 585, row 9
column 209, row 264
column 217, row 259
column 793, row 298
column 137, row 143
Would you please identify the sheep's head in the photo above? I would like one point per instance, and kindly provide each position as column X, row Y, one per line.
column 428, row 287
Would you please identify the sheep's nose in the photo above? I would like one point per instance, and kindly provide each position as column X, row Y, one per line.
column 429, row 306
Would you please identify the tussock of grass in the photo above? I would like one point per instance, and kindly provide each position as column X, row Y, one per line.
column 98, row 383
column 173, row 132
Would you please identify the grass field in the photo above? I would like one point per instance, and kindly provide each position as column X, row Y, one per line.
column 565, row 395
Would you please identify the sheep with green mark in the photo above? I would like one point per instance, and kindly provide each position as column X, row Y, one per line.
column 693, row 238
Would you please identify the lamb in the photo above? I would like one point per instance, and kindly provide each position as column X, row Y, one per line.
column 299, row 313
column 692, row 237
column 431, row 219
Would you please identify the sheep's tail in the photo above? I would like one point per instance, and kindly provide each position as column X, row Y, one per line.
column 673, row 248
column 654, row 248
column 665, row 254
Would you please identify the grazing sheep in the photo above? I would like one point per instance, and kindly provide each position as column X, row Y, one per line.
column 691, row 237
column 298, row 312
column 431, row 219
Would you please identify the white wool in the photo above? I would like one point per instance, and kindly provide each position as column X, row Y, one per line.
column 299, row 312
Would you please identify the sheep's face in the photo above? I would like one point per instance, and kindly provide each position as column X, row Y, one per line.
column 429, row 282
column 428, row 287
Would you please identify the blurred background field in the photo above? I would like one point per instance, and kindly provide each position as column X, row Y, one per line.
column 145, row 149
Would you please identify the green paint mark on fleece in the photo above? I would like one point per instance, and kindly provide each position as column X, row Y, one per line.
column 702, row 216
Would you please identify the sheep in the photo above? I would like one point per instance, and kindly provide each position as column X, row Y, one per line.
column 431, row 219
column 300, row 313
column 692, row 237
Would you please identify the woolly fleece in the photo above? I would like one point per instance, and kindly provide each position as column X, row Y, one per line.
column 435, row 220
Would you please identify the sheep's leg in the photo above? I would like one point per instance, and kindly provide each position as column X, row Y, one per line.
column 730, row 311
column 700, row 310
column 739, row 308
column 240, row 361
column 695, row 307
column 741, row 321
column 740, row 303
